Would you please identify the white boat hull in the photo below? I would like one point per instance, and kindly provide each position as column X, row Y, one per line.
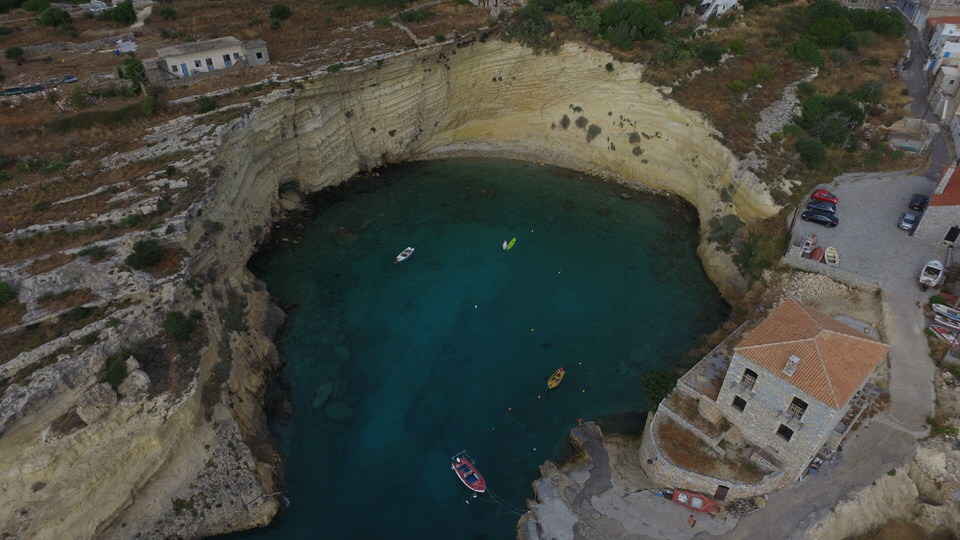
column 947, row 311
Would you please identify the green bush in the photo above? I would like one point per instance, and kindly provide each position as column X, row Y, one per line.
column 115, row 370
column 812, row 152
column 737, row 86
column 383, row 22
column 806, row 50
column 710, row 53
column 414, row 15
column 53, row 17
column 584, row 18
column 869, row 92
column 146, row 253
column 275, row 24
column 530, row 27
column 657, row 385
column 737, row 46
column 806, row 89
column 592, row 132
column 167, row 13
column 334, row 68
column 179, row 326
column 7, row 293
column 121, row 13
column 14, row 53
column 830, row 118
column 280, row 12
column 206, row 104
column 667, row 11
column 762, row 74
column 35, row 6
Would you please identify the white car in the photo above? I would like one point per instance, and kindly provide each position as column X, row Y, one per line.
column 908, row 221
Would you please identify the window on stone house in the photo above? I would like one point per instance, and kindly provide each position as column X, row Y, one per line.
column 739, row 403
column 259, row 55
column 749, row 378
column 174, row 67
column 785, row 432
column 236, row 56
column 797, row 408
column 196, row 63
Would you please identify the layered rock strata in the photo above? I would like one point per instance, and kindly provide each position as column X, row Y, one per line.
column 197, row 461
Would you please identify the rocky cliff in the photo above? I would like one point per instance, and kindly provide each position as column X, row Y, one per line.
column 81, row 458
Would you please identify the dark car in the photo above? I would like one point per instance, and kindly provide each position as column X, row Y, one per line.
column 824, row 218
column 918, row 202
column 822, row 206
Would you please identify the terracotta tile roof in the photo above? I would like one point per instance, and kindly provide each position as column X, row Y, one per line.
column 948, row 189
column 835, row 359
column 932, row 23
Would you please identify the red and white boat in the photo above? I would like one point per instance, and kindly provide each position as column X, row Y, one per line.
column 950, row 335
column 467, row 472
column 692, row 500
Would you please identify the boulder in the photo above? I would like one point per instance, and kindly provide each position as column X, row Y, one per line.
column 137, row 383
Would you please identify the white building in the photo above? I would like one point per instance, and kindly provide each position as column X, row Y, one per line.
column 713, row 8
column 189, row 59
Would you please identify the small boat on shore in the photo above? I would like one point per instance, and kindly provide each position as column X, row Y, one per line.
column 947, row 311
column 692, row 500
column 404, row 255
column 809, row 242
column 946, row 321
column 508, row 244
column 817, row 254
column 554, row 380
column 950, row 335
column 831, row 256
column 467, row 472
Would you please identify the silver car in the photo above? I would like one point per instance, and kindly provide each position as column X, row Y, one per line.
column 908, row 221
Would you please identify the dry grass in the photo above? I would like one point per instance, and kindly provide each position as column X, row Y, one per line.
column 63, row 300
column 686, row 408
column 37, row 334
column 12, row 313
column 54, row 260
column 688, row 451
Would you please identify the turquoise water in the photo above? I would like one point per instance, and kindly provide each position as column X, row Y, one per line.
column 394, row 368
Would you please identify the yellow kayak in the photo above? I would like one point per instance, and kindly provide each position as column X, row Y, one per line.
column 555, row 379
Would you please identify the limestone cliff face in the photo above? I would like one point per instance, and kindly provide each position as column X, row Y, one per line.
column 198, row 461
column 495, row 99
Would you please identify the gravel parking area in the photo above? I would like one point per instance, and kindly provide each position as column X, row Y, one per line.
column 868, row 239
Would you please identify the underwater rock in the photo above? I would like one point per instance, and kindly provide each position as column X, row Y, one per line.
column 322, row 395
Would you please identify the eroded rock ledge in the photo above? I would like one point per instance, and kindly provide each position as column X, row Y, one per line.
column 197, row 461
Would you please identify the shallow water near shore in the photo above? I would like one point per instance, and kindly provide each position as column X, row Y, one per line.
column 394, row 368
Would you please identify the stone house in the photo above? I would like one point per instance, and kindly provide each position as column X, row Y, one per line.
column 709, row 9
column 790, row 389
column 941, row 220
column 198, row 57
column 791, row 380
column 942, row 99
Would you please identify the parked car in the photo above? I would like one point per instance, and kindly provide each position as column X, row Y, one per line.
column 822, row 206
column 918, row 202
column 908, row 221
column 824, row 218
column 824, row 195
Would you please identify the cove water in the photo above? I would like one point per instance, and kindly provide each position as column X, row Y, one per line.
column 394, row 368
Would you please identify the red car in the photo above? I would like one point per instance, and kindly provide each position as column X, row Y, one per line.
column 824, row 195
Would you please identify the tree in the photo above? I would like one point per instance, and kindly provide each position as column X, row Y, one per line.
column 812, row 151
column 280, row 12
column 53, row 17
column 206, row 104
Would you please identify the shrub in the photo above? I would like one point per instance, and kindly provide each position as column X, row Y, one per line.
column 35, row 6
column 737, row 86
column 280, row 12
column 710, row 53
column 115, row 370
column 763, row 73
column 667, row 11
column 592, row 132
column 414, row 15
column 275, row 24
column 334, row 68
column 869, row 92
column 737, row 46
column 121, row 13
column 656, row 385
column 179, row 326
column 812, row 152
column 206, row 104
column 806, row 50
column 168, row 13
column 382, row 22
column 439, row 38
column 530, row 27
column 14, row 53
column 609, row 66
column 146, row 253
column 7, row 293
column 806, row 89
column 53, row 17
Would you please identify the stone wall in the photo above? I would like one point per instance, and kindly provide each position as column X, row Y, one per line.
column 766, row 410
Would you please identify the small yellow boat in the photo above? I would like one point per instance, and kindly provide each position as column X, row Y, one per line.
column 555, row 379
